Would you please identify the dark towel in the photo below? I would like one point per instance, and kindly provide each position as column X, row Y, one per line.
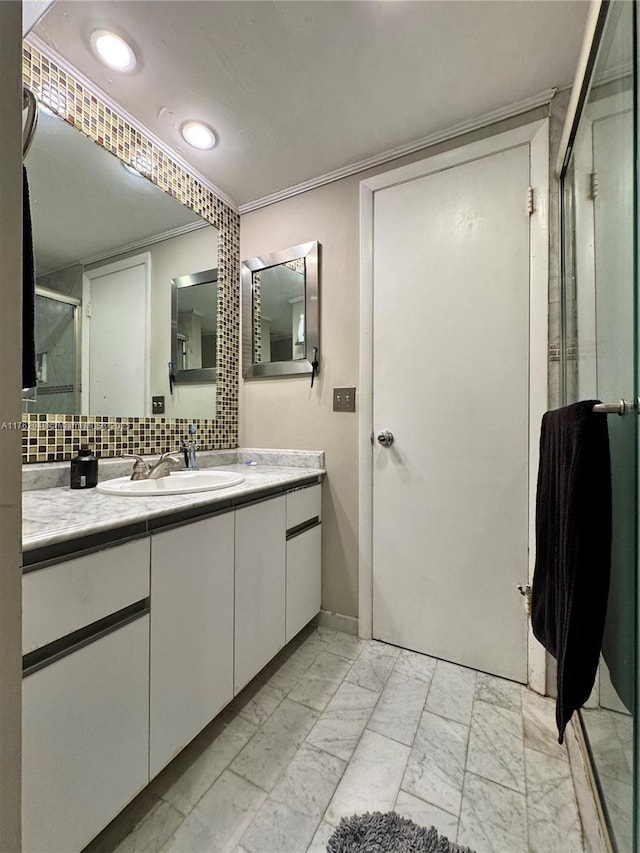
column 573, row 548
column 28, row 291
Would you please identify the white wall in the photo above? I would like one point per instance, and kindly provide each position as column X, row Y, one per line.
column 286, row 412
column 10, row 382
column 188, row 253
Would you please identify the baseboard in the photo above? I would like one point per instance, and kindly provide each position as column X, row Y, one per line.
column 337, row 622
column 594, row 827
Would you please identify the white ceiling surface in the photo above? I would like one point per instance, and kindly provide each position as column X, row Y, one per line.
column 295, row 90
column 84, row 203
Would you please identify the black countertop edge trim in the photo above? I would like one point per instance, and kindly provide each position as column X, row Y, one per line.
column 76, row 640
column 57, row 552
column 196, row 513
column 46, row 555
column 310, row 481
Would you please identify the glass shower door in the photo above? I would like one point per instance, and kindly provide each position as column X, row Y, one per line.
column 600, row 356
column 56, row 354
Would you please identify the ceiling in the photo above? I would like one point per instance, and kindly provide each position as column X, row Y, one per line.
column 84, row 203
column 295, row 90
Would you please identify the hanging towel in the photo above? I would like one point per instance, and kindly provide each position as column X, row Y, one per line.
column 573, row 549
column 28, row 291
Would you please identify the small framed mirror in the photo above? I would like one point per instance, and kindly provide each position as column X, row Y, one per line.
column 281, row 312
column 194, row 327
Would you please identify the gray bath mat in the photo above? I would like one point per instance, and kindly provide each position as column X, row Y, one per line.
column 388, row 833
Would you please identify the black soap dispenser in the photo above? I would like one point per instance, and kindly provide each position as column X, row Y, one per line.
column 84, row 469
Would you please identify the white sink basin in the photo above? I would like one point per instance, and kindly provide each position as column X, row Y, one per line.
column 177, row 483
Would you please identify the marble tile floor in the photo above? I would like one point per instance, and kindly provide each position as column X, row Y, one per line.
column 336, row 725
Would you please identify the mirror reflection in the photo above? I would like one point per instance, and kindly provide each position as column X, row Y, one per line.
column 107, row 244
column 194, row 327
column 281, row 312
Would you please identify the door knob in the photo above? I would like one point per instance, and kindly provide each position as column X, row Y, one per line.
column 385, row 438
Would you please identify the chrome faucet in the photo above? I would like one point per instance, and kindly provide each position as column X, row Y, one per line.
column 167, row 463
column 162, row 468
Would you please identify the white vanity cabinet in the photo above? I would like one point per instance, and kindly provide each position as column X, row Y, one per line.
column 304, row 556
column 85, row 732
column 191, row 632
column 260, row 586
column 130, row 649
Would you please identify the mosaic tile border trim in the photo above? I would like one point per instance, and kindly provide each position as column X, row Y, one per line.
column 56, row 438
column 80, row 107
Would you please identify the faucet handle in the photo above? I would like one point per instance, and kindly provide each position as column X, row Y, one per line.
column 140, row 469
column 172, row 454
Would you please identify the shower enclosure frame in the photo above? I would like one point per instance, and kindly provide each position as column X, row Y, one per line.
column 77, row 327
column 568, row 351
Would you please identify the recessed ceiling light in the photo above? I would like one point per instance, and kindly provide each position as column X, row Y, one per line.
column 198, row 134
column 113, row 50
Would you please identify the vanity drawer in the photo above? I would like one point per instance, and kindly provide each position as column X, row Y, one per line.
column 303, row 505
column 67, row 596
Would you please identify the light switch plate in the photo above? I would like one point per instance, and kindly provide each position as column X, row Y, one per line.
column 344, row 399
column 157, row 405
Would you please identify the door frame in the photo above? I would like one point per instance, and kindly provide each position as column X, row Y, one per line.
column 142, row 259
column 536, row 136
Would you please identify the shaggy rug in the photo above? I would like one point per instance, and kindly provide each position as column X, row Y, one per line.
column 388, row 833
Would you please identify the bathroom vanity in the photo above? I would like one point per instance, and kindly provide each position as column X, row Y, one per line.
column 142, row 620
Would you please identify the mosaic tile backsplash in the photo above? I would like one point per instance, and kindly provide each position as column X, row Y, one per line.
column 49, row 438
column 56, row 438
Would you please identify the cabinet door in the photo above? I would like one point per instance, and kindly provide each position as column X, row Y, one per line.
column 191, row 632
column 62, row 598
column 85, row 739
column 304, row 554
column 260, row 587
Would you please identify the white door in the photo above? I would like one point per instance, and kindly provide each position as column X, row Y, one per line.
column 115, row 338
column 451, row 270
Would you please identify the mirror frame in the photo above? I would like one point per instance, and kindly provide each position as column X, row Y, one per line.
column 310, row 252
column 194, row 374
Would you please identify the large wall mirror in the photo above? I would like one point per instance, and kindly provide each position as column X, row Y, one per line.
column 108, row 243
column 281, row 312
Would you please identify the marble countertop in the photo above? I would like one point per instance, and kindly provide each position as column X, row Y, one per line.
column 58, row 514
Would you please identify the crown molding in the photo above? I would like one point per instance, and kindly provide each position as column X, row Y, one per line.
column 511, row 110
column 72, row 71
column 149, row 241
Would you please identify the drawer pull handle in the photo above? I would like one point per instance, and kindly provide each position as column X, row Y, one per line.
column 73, row 642
column 299, row 529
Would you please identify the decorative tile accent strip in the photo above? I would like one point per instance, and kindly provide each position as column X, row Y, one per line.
column 296, row 265
column 256, row 300
column 42, row 440
column 56, row 438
